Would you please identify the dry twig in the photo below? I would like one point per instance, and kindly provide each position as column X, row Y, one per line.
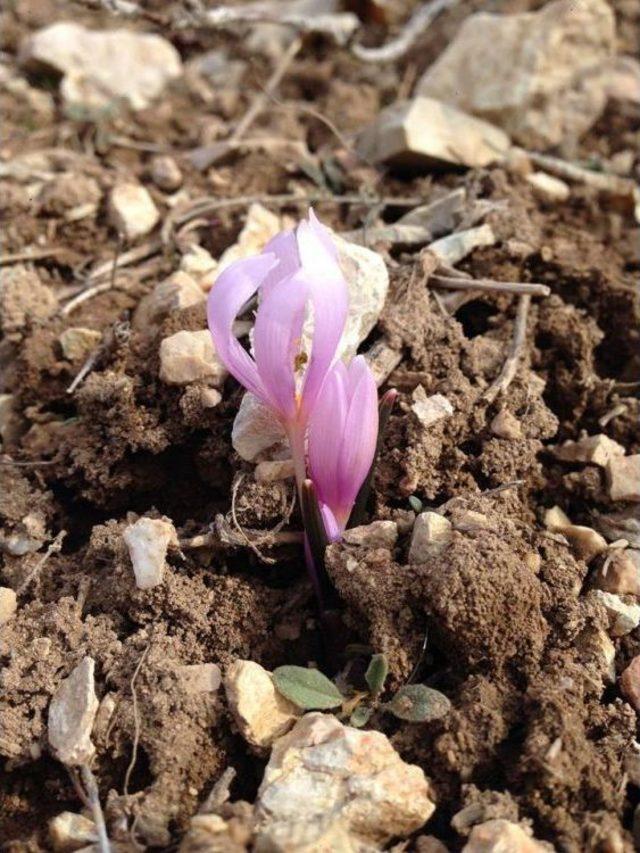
column 510, row 366
column 487, row 284
column 136, row 720
column 53, row 548
column 414, row 27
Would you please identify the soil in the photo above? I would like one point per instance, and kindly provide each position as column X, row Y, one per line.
column 536, row 732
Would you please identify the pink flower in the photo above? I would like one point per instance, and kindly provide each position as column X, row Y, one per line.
column 343, row 431
column 298, row 271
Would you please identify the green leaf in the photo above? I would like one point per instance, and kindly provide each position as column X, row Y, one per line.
column 415, row 503
column 418, row 703
column 309, row 689
column 376, row 673
column 360, row 716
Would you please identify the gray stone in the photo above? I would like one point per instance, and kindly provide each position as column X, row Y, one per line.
column 71, row 714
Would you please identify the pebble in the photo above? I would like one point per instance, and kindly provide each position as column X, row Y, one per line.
column 624, row 524
column 77, row 342
column 547, row 188
column 586, row 542
column 8, row 604
column 186, row 357
column 132, row 211
column 503, row 836
column 259, row 227
column 199, row 677
column 630, row 682
column 260, row 712
column 148, row 540
column 541, row 76
column 620, row 573
column 69, row 831
column 165, row 173
column 425, row 132
column 506, row 425
column 272, row 472
column 623, row 476
column 23, row 299
column 199, row 264
column 11, row 424
column 378, row 534
column 623, row 617
column 592, row 449
column 71, row 714
column 210, row 398
column 334, row 787
column 102, row 67
column 431, row 409
column 175, row 293
column 431, row 533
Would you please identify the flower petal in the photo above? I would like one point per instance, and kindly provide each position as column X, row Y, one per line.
column 233, row 287
column 329, row 297
column 285, row 248
column 325, row 434
column 276, row 341
column 360, row 433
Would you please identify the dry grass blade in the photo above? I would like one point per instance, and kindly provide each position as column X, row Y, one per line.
column 508, row 372
column 487, row 284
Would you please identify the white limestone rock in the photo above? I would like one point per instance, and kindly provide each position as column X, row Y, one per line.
column 431, row 533
column 8, row 604
column 378, row 534
column 623, row 617
column 261, row 713
column 328, row 786
column 71, row 714
column 427, row 133
column 148, row 540
column 541, row 76
column 186, row 357
column 132, row 211
column 431, row 409
column 102, row 67
column 77, row 342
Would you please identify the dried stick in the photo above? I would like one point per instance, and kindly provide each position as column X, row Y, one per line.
column 414, row 27
column 510, row 366
column 572, row 172
column 272, row 84
column 136, row 720
column 487, row 284
column 339, row 27
column 53, row 548
column 93, row 803
column 37, row 255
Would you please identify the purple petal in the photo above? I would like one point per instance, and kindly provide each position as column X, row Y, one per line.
column 360, row 431
column 233, row 287
column 325, row 435
column 329, row 298
column 285, row 248
column 331, row 526
column 276, row 341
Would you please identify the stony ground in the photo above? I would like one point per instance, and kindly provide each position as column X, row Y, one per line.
column 482, row 173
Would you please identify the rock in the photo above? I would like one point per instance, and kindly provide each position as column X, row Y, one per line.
column 431, row 409
column 175, row 293
column 261, row 713
column 506, row 425
column 199, row 264
column 148, row 541
column 383, row 360
column 210, row 398
column 623, row 476
column 12, row 425
column 623, row 81
column 210, row 833
column 620, row 573
column 378, row 534
column 454, row 248
column 27, row 536
column 190, row 356
column 199, row 677
column 165, row 173
column 586, row 542
column 271, row 472
column 623, row 617
column 541, row 76
column 431, row 533
column 630, row 682
column 593, row 449
column 470, row 521
column 71, row 714
column 624, row 524
column 333, row 787
column 77, row 342
column 259, row 227
column 427, row 133
column 8, row 604
column 604, row 651
column 100, row 68
column 69, row 831
column 367, row 280
column 255, row 430
column 547, row 188
column 503, row 836
column 23, row 300
column 132, row 211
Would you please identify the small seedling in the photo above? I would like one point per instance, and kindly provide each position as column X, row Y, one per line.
column 310, row 690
